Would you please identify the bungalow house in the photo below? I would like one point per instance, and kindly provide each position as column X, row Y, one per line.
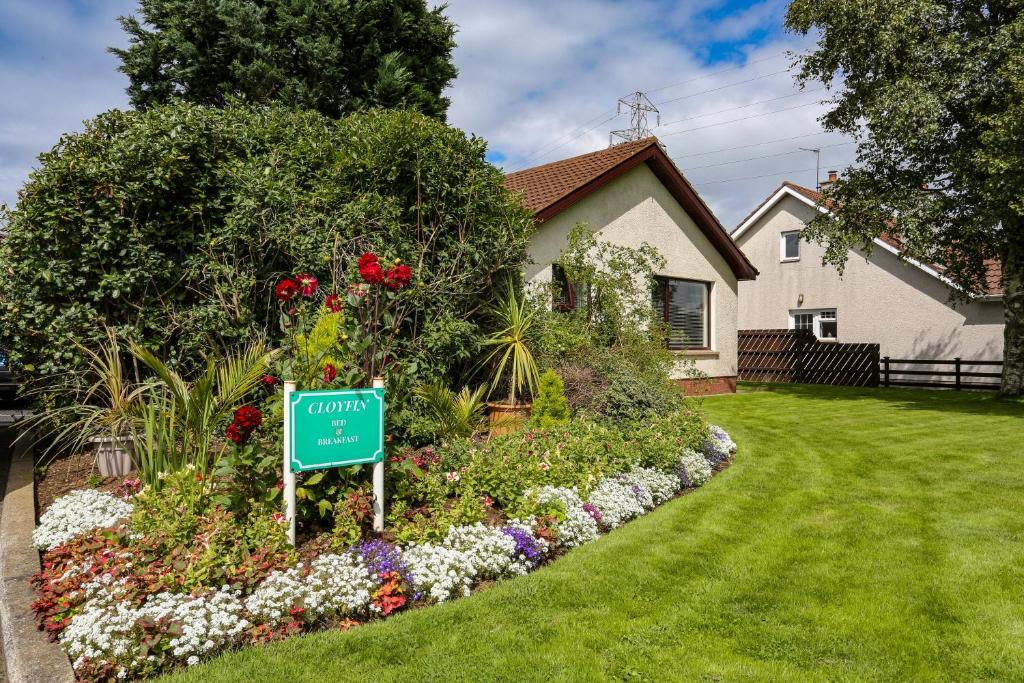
column 631, row 194
column 899, row 303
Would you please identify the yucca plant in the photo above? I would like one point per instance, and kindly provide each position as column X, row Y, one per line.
column 167, row 421
column 511, row 357
column 453, row 415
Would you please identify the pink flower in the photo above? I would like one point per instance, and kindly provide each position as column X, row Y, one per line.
column 278, row 518
column 453, row 476
column 486, row 500
column 544, row 466
column 333, row 303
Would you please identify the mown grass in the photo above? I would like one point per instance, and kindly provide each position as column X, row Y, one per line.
column 860, row 535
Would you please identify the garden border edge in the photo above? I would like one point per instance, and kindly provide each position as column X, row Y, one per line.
column 30, row 656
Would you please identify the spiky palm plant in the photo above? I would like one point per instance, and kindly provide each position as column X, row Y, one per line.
column 512, row 358
column 453, row 415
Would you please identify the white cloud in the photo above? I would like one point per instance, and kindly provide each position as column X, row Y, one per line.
column 532, row 76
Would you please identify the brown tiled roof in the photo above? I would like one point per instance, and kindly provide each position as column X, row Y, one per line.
column 542, row 186
column 994, row 269
column 549, row 189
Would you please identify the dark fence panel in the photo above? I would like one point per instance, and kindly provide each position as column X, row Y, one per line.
column 956, row 373
column 797, row 356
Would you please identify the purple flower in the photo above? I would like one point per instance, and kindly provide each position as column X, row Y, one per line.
column 593, row 511
column 683, row 477
column 382, row 558
column 526, row 545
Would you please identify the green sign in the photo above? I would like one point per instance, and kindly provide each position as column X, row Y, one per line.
column 336, row 428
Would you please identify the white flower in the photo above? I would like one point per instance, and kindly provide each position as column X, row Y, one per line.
column 694, row 469
column 660, row 485
column 579, row 526
column 76, row 513
column 616, row 498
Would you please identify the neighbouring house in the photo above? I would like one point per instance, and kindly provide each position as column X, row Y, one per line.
column 630, row 194
column 881, row 297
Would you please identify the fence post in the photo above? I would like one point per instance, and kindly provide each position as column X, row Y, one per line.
column 874, row 362
column 886, row 362
column 957, row 362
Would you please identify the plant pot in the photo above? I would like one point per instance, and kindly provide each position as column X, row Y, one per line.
column 113, row 456
column 507, row 417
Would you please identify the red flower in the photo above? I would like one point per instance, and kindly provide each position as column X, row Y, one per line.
column 370, row 270
column 333, row 303
column 307, row 284
column 269, row 380
column 330, row 372
column 398, row 277
column 248, row 417
column 286, row 289
column 234, row 433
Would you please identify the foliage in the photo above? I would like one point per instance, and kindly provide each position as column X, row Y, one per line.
column 332, row 56
column 612, row 355
column 451, row 415
column 550, row 408
column 511, row 360
column 171, row 227
column 933, row 92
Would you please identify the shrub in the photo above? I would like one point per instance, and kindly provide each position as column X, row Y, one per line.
column 550, row 408
column 190, row 215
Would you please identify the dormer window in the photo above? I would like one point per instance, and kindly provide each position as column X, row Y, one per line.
column 790, row 246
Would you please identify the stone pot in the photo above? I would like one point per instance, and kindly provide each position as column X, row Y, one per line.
column 507, row 417
column 113, row 456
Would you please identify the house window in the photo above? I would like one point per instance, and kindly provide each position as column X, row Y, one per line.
column 790, row 246
column 684, row 307
column 803, row 321
column 567, row 296
column 822, row 323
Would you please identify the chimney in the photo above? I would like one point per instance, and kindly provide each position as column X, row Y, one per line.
column 832, row 177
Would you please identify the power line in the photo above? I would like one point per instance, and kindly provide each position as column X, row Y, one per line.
column 766, row 156
column 569, row 138
column 747, row 146
column 722, row 87
column 753, row 177
column 742, row 118
column 715, row 73
column 742, row 106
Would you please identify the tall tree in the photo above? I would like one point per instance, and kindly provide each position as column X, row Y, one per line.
column 933, row 90
column 333, row 56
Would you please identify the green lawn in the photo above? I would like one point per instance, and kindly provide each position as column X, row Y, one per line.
column 860, row 535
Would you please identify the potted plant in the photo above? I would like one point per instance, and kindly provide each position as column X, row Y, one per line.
column 512, row 360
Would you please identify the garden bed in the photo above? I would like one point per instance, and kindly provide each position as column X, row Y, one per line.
column 136, row 584
column 70, row 473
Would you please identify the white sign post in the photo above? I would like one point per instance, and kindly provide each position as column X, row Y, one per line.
column 289, row 475
column 378, row 479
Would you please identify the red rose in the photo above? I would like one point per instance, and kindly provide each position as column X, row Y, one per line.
column 366, row 259
column 269, row 380
column 248, row 417
column 307, row 284
column 372, row 273
column 234, row 433
column 286, row 289
column 333, row 303
column 399, row 277
column 330, row 372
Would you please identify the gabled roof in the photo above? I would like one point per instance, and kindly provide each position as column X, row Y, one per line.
column 994, row 269
column 550, row 189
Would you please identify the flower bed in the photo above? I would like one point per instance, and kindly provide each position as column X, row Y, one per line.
column 131, row 593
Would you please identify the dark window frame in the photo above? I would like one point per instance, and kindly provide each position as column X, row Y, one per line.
column 662, row 282
column 568, row 302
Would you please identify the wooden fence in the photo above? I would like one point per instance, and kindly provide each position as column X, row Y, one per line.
column 951, row 374
column 797, row 356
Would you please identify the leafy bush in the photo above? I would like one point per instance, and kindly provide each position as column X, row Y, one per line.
column 550, row 408
column 450, row 415
column 172, row 226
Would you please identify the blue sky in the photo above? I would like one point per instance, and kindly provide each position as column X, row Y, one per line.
column 538, row 79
